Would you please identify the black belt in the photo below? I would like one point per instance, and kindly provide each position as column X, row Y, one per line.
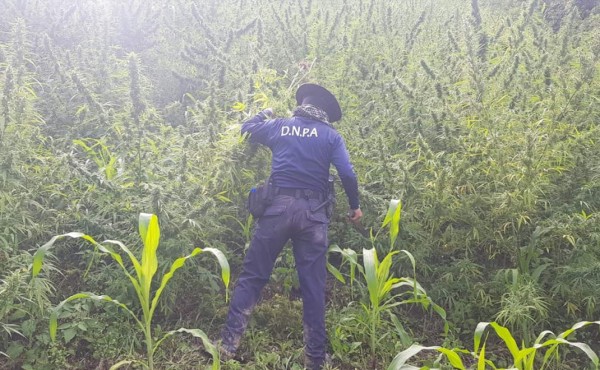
column 299, row 193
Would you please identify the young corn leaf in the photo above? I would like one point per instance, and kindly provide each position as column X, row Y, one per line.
column 390, row 212
column 150, row 234
column 414, row 267
column 383, row 273
column 239, row 106
column 166, row 277
column 561, row 339
column 582, row 346
column 479, row 331
column 225, row 270
column 386, row 286
column 395, row 225
column 453, row 358
column 481, row 359
column 350, row 256
column 399, row 362
column 393, row 218
column 542, row 335
column 371, row 267
column 440, row 311
column 525, row 358
column 117, row 257
column 502, row 332
column 405, row 339
column 550, row 351
column 578, row 325
column 336, row 273
column 508, row 339
column 208, row 345
column 38, row 257
column 383, row 270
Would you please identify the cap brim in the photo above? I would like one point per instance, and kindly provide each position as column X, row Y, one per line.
column 327, row 100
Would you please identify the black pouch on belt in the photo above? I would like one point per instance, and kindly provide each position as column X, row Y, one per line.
column 259, row 198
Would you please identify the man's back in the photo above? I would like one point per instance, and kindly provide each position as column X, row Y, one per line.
column 303, row 150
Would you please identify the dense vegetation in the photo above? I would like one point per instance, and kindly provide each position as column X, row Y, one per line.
column 482, row 117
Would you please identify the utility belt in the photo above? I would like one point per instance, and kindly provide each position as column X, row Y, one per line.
column 300, row 193
column 261, row 197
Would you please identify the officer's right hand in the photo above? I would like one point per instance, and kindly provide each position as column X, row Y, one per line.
column 355, row 215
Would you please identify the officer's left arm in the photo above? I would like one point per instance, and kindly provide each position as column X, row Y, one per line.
column 341, row 161
column 258, row 127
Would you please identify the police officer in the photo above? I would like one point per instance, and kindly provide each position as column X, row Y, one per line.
column 303, row 146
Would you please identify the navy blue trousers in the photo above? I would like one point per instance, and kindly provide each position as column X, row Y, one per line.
column 287, row 218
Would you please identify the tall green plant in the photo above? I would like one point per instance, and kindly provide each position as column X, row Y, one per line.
column 142, row 282
column 382, row 298
column 381, row 284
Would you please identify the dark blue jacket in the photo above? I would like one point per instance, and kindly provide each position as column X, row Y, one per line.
column 303, row 149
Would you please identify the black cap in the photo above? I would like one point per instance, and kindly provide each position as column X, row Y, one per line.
column 320, row 97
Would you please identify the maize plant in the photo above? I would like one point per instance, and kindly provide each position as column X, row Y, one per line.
column 142, row 282
column 522, row 358
column 381, row 284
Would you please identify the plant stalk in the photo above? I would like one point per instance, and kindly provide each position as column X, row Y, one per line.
column 149, row 344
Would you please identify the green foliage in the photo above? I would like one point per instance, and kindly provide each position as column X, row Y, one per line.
column 522, row 306
column 144, row 272
column 22, row 302
column 482, row 119
column 384, row 291
column 380, row 284
column 523, row 358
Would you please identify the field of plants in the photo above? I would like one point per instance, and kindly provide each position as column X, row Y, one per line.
column 473, row 126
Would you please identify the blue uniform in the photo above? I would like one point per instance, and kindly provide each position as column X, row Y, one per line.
column 303, row 150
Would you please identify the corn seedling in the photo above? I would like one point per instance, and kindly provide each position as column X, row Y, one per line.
column 142, row 281
column 381, row 283
column 348, row 255
column 392, row 218
column 522, row 358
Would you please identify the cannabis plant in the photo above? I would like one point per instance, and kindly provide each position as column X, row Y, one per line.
column 142, row 283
